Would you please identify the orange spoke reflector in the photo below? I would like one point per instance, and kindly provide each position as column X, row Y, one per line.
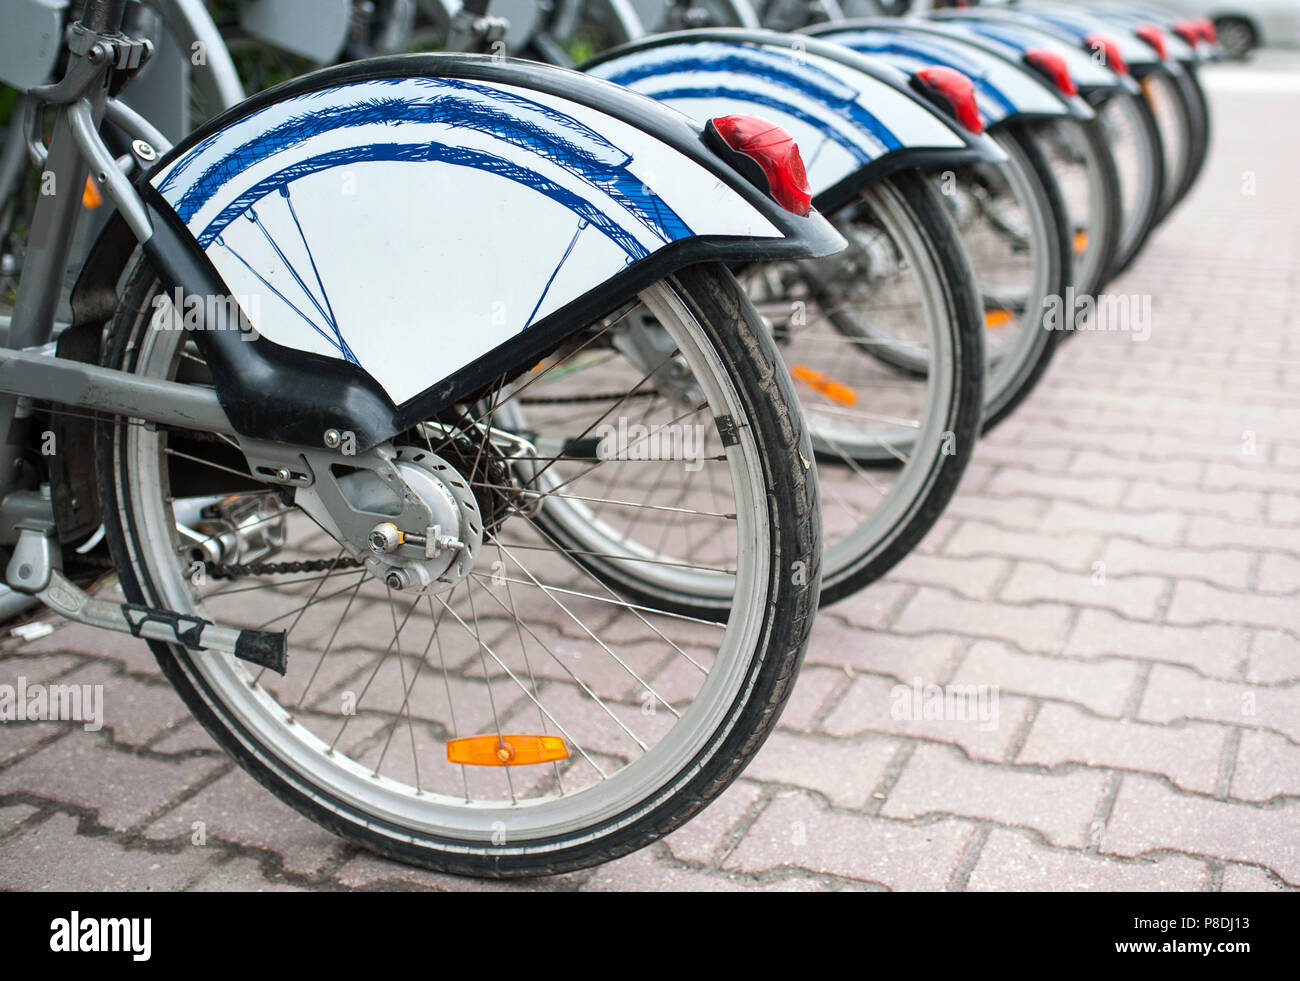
column 1080, row 243
column 837, row 392
column 506, row 750
column 996, row 318
column 90, row 196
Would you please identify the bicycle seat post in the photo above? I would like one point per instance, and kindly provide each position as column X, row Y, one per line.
column 103, row 16
column 57, row 212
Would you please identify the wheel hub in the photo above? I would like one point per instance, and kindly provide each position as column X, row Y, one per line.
column 441, row 554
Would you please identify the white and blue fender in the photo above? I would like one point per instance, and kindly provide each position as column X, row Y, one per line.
column 1188, row 45
column 1079, row 26
column 1018, row 38
column 1005, row 89
column 1137, row 17
column 409, row 229
column 855, row 119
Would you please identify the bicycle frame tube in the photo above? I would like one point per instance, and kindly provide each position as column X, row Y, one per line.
column 75, row 152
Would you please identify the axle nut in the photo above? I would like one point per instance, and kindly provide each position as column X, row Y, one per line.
column 385, row 538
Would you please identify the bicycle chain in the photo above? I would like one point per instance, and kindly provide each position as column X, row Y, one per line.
column 233, row 571
column 237, row 570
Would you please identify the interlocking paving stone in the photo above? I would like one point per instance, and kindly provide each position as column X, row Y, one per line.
column 1223, row 567
column 134, row 712
column 367, row 871
column 14, row 815
column 972, row 578
column 1148, row 816
column 1196, row 602
column 1178, row 693
column 1187, row 754
column 938, row 780
column 707, row 834
column 1217, row 651
column 123, row 788
column 1274, row 657
column 882, row 705
column 1247, row 878
column 236, row 810
column 53, row 856
column 1132, row 596
column 17, row 738
column 795, row 832
column 1267, row 766
column 241, row 874
column 844, row 772
column 976, row 538
column 631, row 872
column 813, row 688
column 1011, row 861
column 1102, row 685
column 1037, row 626
column 904, row 658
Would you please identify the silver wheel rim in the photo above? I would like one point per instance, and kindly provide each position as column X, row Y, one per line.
column 341, row 784
column 1129, row 141
column 1078, row 171
column 913, row 452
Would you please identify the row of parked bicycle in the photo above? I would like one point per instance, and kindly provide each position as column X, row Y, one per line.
column 666, row 352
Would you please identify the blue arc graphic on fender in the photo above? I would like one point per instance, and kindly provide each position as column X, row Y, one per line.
column 842, row 117
column 412, row 225
column 811, row 80
column 1002, row 89
column 574, row 146
column 1016, row 40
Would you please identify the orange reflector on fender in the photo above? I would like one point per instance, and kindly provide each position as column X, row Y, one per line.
column 1080, row 243
column 837, row 392
column 506, row 750
column 997, row 318
column 90, row 197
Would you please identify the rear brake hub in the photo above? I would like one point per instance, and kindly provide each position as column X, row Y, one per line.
column 441, row 554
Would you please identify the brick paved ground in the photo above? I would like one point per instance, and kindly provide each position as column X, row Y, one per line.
column 1123, row 562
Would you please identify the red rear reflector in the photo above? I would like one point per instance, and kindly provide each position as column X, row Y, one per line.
column 1209, row 30
column 777, row 155
column 1108, row 49
column 1055, row 68
column 1155, row 37
column 955, row 89
column 1189, row 31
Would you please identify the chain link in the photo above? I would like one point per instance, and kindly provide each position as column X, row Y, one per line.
column 234, row 571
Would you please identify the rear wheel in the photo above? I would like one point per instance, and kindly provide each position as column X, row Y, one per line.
column 891, row 443
column 1085, row 169
column 1015, row 226
column 1176, row 120
column 1135, row 142
column 657, row 712
column 1198, row 114
column 1237, row 36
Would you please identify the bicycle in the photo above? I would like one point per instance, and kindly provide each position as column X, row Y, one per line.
column 293, row 460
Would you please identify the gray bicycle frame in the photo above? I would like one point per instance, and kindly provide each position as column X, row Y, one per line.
column 79, row 102
column 189, row 31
